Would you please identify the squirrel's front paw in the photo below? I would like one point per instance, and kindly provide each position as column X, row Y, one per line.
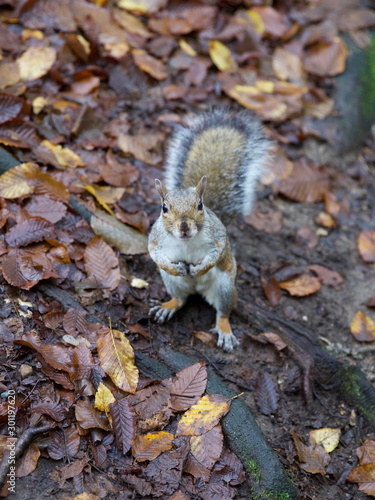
column 227, row 341
column 195, row 271
column 181, row 268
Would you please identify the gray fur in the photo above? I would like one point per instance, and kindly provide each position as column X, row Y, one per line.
column 251, row 159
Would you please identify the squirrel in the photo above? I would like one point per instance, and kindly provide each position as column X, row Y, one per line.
column 211, row 173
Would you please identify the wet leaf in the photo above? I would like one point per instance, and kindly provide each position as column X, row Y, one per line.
column 54, row 410
column 366, row 452
column 366, row 245
column 24, row 268
column 272, row 291
column 46, row 184
column 123, row 423
column 313, row 458
column 118, row 174
column 13, row 183
column 143, row 6
column 301, row 286
column 116, row 357
column 207, row 448
column 364, row 475
column 363, row 328
column 188, row 386
column 103, row 398
column 10, row 107
column 203, row 415
column 90, row 418
column 32, row 230
column 75, row 322
column 327, row 276
column 327, row 437
column 275, row 339
column 266, row 394
column 35, row 62
column 275, row 24
column 306, row 183
column 221, row 56
column 325, row 220
column 64, row 443
column 58, row 376
column 44, row 206
column 82, row 362
column 149, row 446
column 288, row 66
column 101, row 263
column 18, row 133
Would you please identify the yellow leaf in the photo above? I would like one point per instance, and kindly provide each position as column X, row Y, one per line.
column 35, row 62
column 105, row 194
column 301, row 286
column 64, row 156
column 103, row 398
column 265, row 86
column 256, row 22
column 221, row 56
column 203, row 416
column 247, row 95
column 142, row 6
column 13, row 183
column 38, row 104
column 116, row 357
column 187, row 48
column 150, row 445
column 327, row 437
column 138, row 283
column 363, row 328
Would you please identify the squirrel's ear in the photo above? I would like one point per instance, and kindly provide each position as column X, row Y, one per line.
column 160, row 188
column 201, row 186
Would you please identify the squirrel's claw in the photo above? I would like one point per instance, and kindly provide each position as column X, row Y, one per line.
column 227, row 341
column 163, row 312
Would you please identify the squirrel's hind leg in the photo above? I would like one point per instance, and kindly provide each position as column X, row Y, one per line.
column 163, row 311
column 225, row 337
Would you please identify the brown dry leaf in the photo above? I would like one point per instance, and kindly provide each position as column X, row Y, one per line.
column 64, row 443
column 275, row 339
column 331, row 205
column 35, row 62
column 188, row 386
column 13, row 183
column 123, row 423
column 329, row 438
column 44, row 206
column 103, row 398
column 326, row 58
column 116, row 358
column 306, row 236
column 131, row 24
column 221, row 56
column 149, row 64
column 46, row 184
column 203, row 416
column 27, row 464
column 141, row 145
column 30, row 231
column 9, row 74
column 301, row 286
column 366, row 452
column 57, row 376
column 366, row 245
column 364, row 475
column 275, row 24
column 266, row 394
column 90, row 418
column 363, row 328
column 272, row 290
column 118, row 174
column 149, row 446
column 277, row 167
column 288, row 66
column 326, row 276
column 11, row 107
column 314, row 458
column 59, row 156
column 53, row 319
column 247, row 95
column 84, row 86
column 207, row 448
column 306, row 183
column 179, row 496
column 56, row 356
column 24, row 269
column 102, row 264
column 142, row 6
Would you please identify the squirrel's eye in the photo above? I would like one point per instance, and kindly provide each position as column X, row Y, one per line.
column 200, row 206
column 165, row 208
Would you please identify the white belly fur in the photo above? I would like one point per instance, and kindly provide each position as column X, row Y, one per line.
column 189, row 251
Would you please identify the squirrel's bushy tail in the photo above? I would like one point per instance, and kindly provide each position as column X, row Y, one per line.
column 230, row 148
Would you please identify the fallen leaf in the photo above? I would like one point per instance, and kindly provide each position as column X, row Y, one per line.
column 123, row 423
column 363, row 328
column 149, row 446
column 275, row 24
column 149, row 64
column 326, row 58
column 364, row 475
column 221, row 56
column 266, row 394
column 116, row 358
column 301, row 286
column 203, row 415
column 102, row 264
column 30, row 231
column 327, row 276
column 35, row 62
column 314, row 458
column 325, row 220
column 288, row 66
column 306, row 183
column 272, row 290
column 13, row 183
column 27, row 464
column 142, row 6
column 90, row 418
column 59, row 156
column 64, row 443
column 366, row 245
column 103, row 398
column 327, row 437
column 188, row 386
column 207, row 448
column 366, row 452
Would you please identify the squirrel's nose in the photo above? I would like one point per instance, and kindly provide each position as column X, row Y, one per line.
column 184, row 226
